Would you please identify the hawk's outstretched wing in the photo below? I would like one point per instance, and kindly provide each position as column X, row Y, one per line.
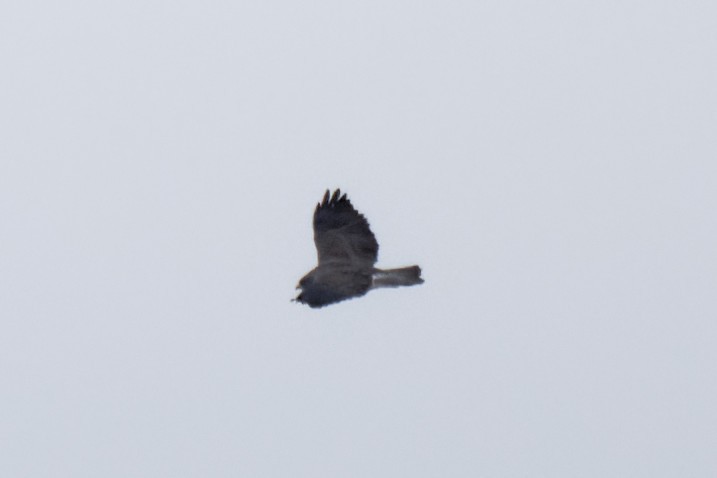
column 342, row 234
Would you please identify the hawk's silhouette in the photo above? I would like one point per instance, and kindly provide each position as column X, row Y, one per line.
column 347, row 251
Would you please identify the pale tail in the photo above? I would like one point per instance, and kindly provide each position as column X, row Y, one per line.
column 397, row 277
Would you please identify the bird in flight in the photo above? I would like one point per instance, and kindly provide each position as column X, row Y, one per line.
column 347, row 251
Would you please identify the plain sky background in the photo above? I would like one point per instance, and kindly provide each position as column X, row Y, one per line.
column 552, row 166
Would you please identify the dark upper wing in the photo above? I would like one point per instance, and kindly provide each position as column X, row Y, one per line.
column 342, row 234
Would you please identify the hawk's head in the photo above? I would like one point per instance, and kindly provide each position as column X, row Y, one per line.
column 314, row 294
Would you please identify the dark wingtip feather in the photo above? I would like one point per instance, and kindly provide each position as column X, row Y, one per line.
column 324, row 201
column 335, row 197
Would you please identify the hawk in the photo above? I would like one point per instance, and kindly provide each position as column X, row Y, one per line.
column 347, row 251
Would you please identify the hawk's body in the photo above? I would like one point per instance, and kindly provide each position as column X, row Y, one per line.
column 347, row 251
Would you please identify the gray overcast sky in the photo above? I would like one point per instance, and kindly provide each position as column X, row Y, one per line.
column 552, row 166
